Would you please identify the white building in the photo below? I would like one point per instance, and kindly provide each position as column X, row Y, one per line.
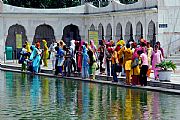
column 154, row 20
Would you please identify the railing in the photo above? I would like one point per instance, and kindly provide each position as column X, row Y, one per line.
column 172, row 47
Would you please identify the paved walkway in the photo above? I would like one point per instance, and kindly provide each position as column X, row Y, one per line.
column 173, row 86
column 175, row 76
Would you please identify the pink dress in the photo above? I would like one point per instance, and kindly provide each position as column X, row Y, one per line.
column 156, row 58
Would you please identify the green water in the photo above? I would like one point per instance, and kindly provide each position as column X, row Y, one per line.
column 33, row 97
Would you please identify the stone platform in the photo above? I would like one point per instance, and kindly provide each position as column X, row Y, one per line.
column 168, row 87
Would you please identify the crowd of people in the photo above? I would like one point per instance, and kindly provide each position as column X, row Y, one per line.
column 131, row 59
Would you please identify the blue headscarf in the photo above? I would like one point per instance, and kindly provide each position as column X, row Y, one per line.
column 85, row 57
column 35, row 57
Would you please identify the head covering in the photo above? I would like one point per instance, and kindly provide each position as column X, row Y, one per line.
column 72, row 45
column 134, row 44
column 44, row 42
column 122, row 42
column 63, row 44
column 112, row 42
column 92, row 44
column 84, row 50
column 142, row 40
column 38, row 45
column 28, row 46
column 32, row 47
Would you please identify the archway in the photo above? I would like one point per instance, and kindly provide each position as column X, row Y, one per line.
column 92, row 28
column 152, row 33
column 109, row 32
column 100, row 33
column 71, row 32
column 119, row 31
column 139, row 31
column 128, row 32
column 44, row 32
column 11, row 37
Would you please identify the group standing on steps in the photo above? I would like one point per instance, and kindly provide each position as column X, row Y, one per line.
column 131, row 59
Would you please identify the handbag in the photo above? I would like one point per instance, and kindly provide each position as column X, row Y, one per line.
column 135, row 63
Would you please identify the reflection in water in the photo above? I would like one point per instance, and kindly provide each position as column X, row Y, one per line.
column 85, row 100
column 35, row 97
column 35, row 92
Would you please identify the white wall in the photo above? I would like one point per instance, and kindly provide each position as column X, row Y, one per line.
column 59, row 18
column 169, row 13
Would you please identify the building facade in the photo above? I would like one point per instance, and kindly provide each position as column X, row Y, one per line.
column 153, row 20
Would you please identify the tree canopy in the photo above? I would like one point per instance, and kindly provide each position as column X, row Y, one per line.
column 58, row 3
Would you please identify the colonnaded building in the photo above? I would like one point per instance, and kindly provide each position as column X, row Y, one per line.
column 153, row 20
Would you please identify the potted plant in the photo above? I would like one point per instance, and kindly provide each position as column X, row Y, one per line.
column 166, row 68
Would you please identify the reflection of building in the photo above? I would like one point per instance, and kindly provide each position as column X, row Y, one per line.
column 151, row 19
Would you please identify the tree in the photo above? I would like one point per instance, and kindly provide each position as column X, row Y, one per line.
column 58, row 3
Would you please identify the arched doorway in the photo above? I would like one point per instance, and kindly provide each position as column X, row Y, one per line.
column 128, row 32
column 139, row 31
column 71, row 32
column 100, row 33
column 44, row 32
column 92, row 28
column 109, row 32
column 11, row 38
column 152, row 33
column 119, row 32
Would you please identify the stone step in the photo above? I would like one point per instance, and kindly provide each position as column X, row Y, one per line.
column 177, row 63
column 174, row 60
column 174, row 57
column 177, row 53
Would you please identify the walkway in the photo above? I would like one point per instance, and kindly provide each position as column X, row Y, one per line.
column 171, row 87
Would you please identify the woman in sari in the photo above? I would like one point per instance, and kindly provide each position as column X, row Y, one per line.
column 127, row 63
column 35, row 58
column 93, row 48
column 45, row 53
column 85, row 63
column 79, row 56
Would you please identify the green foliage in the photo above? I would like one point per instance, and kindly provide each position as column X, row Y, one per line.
column 165, row 65
column 128, row 1
column 43, row 3
column 58, row 3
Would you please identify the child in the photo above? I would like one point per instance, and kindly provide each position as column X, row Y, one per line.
column 23, row 57
column 144, row 68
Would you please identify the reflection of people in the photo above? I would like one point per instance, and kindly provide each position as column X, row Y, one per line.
column 35, row 91
column 60, row 93
column 128, row 106
column 156, row 106
column 85, row 100
column 45, row 90
column 143, row 102
column 143, row 98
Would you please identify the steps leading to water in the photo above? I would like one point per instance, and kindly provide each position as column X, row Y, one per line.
column 175, row 58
